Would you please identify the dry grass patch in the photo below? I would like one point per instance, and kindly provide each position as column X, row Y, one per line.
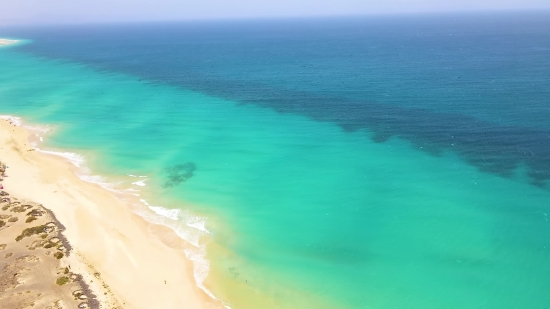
column 62, row 280
column 30, row 219
column 31, row 231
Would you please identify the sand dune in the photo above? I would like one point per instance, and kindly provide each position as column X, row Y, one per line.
column 34, row 267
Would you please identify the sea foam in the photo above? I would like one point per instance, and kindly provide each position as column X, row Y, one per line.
column 76, row 159
column 14, row 120
column 188, row 227
column 140, row 183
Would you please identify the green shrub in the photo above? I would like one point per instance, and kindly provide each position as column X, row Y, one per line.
column 19, row 209
column 31, row 231
column 62, row 280
column 30, row 219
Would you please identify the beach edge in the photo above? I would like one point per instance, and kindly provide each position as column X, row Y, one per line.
column 141, row 270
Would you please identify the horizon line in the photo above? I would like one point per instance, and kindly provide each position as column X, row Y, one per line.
column 541, row 11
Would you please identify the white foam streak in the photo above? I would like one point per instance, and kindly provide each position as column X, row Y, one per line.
column 14, row 120
column 188, row 227
column 19, row 122
column 200, row 268
column 140, row 183
column 42, row 129
column 199, row 226
column 84, row 173
column 74, row 158
column 169, row 213
column 99, row 180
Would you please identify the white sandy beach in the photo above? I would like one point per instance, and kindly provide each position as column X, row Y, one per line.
column 138, row 268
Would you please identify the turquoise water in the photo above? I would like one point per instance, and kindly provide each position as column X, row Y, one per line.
column 398, row 203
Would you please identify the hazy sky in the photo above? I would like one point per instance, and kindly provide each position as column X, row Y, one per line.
column 69, row 11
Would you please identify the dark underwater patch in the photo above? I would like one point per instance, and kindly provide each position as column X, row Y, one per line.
column 179, row 173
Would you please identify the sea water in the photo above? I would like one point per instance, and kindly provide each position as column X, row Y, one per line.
column 396, row 162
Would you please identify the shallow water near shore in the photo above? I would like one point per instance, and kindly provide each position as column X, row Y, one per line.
column 416, row 191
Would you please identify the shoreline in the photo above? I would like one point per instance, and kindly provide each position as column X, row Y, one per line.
column 141, row 269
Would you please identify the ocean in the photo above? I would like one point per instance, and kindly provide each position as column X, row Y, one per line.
column 365, row 162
